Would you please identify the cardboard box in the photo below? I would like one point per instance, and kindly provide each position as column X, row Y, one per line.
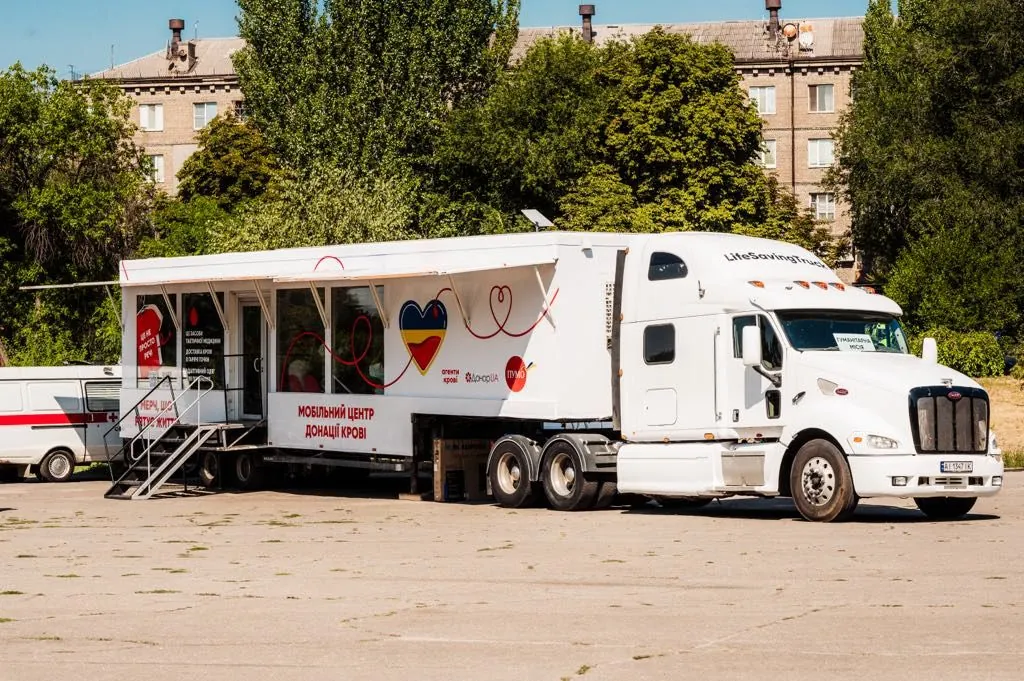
column 460, row 470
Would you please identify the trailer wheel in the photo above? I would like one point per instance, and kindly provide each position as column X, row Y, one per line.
column 821, row 483
column 945, row 508
column 565, row 485
column 248, row 471
column 510, row 476
column 57, row 466
column 209, row 469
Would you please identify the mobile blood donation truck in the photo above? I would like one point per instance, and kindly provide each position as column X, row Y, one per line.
column 681, row 366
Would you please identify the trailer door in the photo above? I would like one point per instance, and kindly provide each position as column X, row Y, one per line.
column 254, row 360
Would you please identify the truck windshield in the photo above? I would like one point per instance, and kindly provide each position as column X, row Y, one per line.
column 843, row 331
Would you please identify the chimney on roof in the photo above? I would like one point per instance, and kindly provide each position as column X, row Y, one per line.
column 588, row 12
column 176, row 26
column 773, row 7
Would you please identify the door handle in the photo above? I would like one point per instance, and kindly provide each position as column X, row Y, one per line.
column 257, row 365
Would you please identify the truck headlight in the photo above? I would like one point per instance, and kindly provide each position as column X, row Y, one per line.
column 882, row 442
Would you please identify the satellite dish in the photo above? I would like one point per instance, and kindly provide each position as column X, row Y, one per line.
column 790, row 30
column 806, row 37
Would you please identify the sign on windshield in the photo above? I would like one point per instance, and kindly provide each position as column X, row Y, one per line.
column 854, row 342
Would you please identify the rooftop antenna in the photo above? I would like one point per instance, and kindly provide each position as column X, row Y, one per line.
column 72, row 67
column 195, row 31
column 111, row 56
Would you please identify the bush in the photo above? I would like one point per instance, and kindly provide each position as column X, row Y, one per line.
column 975, row 353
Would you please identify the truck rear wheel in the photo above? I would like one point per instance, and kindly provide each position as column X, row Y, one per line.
column 209, row 469
column 945, row 508
column 248, row 471
column 57, row 466
column 510, row 476
column 565, row 485
column 821, row 483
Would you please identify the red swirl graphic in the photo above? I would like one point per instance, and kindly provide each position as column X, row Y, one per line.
column 328, row 257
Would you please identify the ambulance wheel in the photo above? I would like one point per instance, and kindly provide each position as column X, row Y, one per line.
column 510, row 475
column 57, row 466
column 209, row 469
column 821, row 483
column 565, row 485
column 248, row 471
column 945, row 508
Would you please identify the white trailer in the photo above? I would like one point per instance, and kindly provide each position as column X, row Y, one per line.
column 55, row 418
column 684, row 367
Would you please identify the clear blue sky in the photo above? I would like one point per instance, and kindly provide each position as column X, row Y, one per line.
column 66, row 33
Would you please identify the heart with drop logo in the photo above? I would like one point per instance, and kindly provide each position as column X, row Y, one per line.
column 423, row 330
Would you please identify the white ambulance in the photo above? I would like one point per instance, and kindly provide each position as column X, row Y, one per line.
column 682, row 366
column 53, row 419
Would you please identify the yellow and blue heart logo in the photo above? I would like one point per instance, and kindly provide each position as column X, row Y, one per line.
column 423, row 331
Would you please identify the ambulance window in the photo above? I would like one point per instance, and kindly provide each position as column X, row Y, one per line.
column 54, row 396
column 666, row 266
column 357, row 333
column 300, row 342
column 738, row 324
column 102, row 396
column 156, row 342
column 10, row 397
column 660, row 344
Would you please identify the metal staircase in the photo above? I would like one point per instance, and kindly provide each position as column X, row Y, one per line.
column 150, row 458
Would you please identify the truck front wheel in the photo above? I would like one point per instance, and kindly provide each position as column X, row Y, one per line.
column 565, row 485
column 821, row 483
column 945, row 508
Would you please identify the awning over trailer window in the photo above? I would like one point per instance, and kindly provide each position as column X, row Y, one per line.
column 408, row 273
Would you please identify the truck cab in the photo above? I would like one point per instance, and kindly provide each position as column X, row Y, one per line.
column 749, row 367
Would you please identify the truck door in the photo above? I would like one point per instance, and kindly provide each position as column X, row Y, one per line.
column 752, row 402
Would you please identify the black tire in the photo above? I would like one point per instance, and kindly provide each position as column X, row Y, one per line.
column 821, row 483
column 509, row 473
column 57, row 466
column 945, row 508
column 209, row 469
column 606, row 495
column 566, row 487
column 248, row 471
column 683, row 503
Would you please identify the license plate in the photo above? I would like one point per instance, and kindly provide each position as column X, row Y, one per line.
column 957, row 466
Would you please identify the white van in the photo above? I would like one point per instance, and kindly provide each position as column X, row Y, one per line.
column 55, row 418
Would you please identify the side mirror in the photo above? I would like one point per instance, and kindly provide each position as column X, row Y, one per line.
column 751, row 346
column 930, row 351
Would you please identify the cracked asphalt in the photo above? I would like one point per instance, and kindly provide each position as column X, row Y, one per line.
column 331, row 585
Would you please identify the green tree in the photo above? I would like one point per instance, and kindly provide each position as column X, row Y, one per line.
column 73, row 201
column 181, row 227
column 232, row 164
column 929, row 159
column 363, row 84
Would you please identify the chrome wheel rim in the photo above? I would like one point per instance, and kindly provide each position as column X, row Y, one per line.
column 510, row 475
column 562, row 475
column 59, row 466
column 819, row 481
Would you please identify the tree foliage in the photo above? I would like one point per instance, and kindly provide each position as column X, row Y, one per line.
column 929, row 157
column 232, row 164
column 363, row 84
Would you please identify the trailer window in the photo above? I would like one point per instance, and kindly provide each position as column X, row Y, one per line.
column 666, row 266
column 155, row 338
column 300, row 342
column 102, row 396
column 202, row 337
column 660, row 344
column 358, row 339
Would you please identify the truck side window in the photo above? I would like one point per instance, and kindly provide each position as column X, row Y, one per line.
column 666, row 266
column 771, row 347
column 660, row 344
column 738, row 324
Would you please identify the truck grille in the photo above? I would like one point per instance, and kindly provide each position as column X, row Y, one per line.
column 949, row 420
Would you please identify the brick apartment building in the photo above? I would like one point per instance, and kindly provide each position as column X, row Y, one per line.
column 797, row 72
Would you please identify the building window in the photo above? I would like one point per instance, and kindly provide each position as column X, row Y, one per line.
column 156, row 173
column 819, row 153
column 660, row 344
column 822, row 98
column 666, row 266
column 203, row 113
column 241, row 113
column 300, row 341
column 763, row 96
column 358, row 338
column 766, row 156
column 151, row 117
column 824, row 206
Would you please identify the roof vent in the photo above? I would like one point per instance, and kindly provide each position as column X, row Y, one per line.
column 588, row 12
column 773, row 7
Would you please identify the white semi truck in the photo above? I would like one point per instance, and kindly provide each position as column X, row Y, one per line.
column 683, row 366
